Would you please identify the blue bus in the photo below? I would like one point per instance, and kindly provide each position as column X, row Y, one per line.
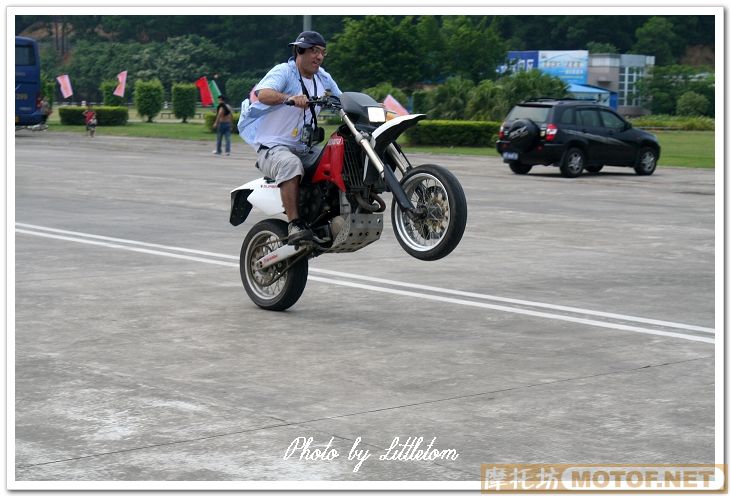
column 27, row 82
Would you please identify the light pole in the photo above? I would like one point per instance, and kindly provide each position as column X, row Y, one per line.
column 307, row 23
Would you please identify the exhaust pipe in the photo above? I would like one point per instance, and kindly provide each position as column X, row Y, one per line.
column 277, row 256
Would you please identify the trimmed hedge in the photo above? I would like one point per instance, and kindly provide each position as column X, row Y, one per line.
column 183, row 100
column 148, row 96
column 106, row 116
column 109, row 98
column 210, row 119
column 675, row 122
column 454, row 133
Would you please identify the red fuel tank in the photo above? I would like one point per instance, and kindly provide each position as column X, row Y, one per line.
column 331, row 163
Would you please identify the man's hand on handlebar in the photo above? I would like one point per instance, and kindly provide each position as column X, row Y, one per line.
column 300, row 101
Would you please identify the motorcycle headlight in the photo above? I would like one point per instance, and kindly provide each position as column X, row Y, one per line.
column 376, row 114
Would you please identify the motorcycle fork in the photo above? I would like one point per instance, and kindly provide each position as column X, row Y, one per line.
column 385, row 172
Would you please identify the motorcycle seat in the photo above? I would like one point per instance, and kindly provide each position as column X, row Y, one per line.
column 266, row 178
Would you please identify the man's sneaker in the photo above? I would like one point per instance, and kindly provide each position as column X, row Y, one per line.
column 298, row 232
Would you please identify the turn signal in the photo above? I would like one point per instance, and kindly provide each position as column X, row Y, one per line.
column 501, row 131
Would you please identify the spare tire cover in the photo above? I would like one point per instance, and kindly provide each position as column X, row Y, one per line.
column 522, row 134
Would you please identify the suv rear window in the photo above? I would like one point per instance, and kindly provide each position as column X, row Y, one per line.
column 535, row 113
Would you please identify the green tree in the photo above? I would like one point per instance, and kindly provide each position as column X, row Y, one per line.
column 238, row 88
column 48, row 88
column 382, row 90
column 599, row 47
column 183, row 58
column 431, row 44
column 474, row 49
column 449, row 100
column 109, row 98
column 691, row 103
column 91, row 63
column 656, row 37
column 373, row 50
column 664, row 85
column 487, row 102
column 183, row 100
column 148, row 97
column 527, row 85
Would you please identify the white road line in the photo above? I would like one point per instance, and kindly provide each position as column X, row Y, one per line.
column 106, row 241
column 522, row 311
column 454, row 292
column 550, row 306
column 125, row 241
column 128, row 248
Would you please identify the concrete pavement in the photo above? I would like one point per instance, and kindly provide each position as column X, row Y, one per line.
column 572, row 324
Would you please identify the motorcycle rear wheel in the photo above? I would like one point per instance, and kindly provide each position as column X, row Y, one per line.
column 436, row 189
column 263, row 238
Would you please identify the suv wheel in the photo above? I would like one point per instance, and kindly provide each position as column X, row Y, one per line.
column 519, row 167
column 573, row 163
column 647, row 162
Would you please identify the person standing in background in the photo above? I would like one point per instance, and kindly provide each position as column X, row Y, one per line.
column 222, row 125
column 90, row 120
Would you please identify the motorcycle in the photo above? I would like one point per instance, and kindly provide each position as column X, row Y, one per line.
column 340, row 201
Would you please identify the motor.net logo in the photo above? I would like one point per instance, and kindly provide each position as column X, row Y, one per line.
column 603, row 477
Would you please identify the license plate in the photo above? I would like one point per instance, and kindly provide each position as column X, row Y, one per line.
column 510, row 155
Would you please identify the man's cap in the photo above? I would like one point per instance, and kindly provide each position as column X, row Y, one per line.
column 308, row 39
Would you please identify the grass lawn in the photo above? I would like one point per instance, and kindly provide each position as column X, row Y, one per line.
column 694, row 149
column 170, row 130
column 687, row 148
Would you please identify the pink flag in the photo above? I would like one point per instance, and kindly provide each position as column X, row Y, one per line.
column 65, row 83
column 392, row 104
column 122, row 78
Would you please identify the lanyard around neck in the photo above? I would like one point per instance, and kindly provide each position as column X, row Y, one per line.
column 306, row 93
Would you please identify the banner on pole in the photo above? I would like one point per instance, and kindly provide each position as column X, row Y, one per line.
column 205, row 96
column 393, row 105
column 122, row 78
column 214, row 91
column 65, row 83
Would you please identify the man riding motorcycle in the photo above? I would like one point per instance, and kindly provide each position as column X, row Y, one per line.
column 282, row 127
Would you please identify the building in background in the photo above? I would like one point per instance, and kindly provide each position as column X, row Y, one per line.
column 609, row 79
column 620, row 73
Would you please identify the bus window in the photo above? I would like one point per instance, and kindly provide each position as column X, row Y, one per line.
column 24, row 55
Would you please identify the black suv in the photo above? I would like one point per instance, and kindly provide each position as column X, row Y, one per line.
column 574, row 135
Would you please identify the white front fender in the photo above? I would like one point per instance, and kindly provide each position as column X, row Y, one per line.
column 389, row 132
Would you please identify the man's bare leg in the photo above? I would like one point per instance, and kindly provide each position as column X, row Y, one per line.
column 298, row 231
column 289, row 190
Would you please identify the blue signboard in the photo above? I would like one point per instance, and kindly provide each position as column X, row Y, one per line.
column 569, row 65
column 518, row 61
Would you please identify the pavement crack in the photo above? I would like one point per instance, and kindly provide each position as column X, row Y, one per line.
column 515, row 388
column 284, row 423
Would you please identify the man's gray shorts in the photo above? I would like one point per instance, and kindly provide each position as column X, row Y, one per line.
column 281, row 164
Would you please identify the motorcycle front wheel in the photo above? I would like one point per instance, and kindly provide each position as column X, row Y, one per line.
column 277, row 287
column 435, row 235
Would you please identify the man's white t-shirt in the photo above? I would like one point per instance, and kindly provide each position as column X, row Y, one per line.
column 283, row 126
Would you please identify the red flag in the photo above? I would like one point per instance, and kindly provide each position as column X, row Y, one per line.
column 65, row 83
column 122, row 78
column 392, row 104
column 205, row 97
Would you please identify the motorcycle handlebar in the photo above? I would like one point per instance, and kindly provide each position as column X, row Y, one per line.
column 325, row 101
